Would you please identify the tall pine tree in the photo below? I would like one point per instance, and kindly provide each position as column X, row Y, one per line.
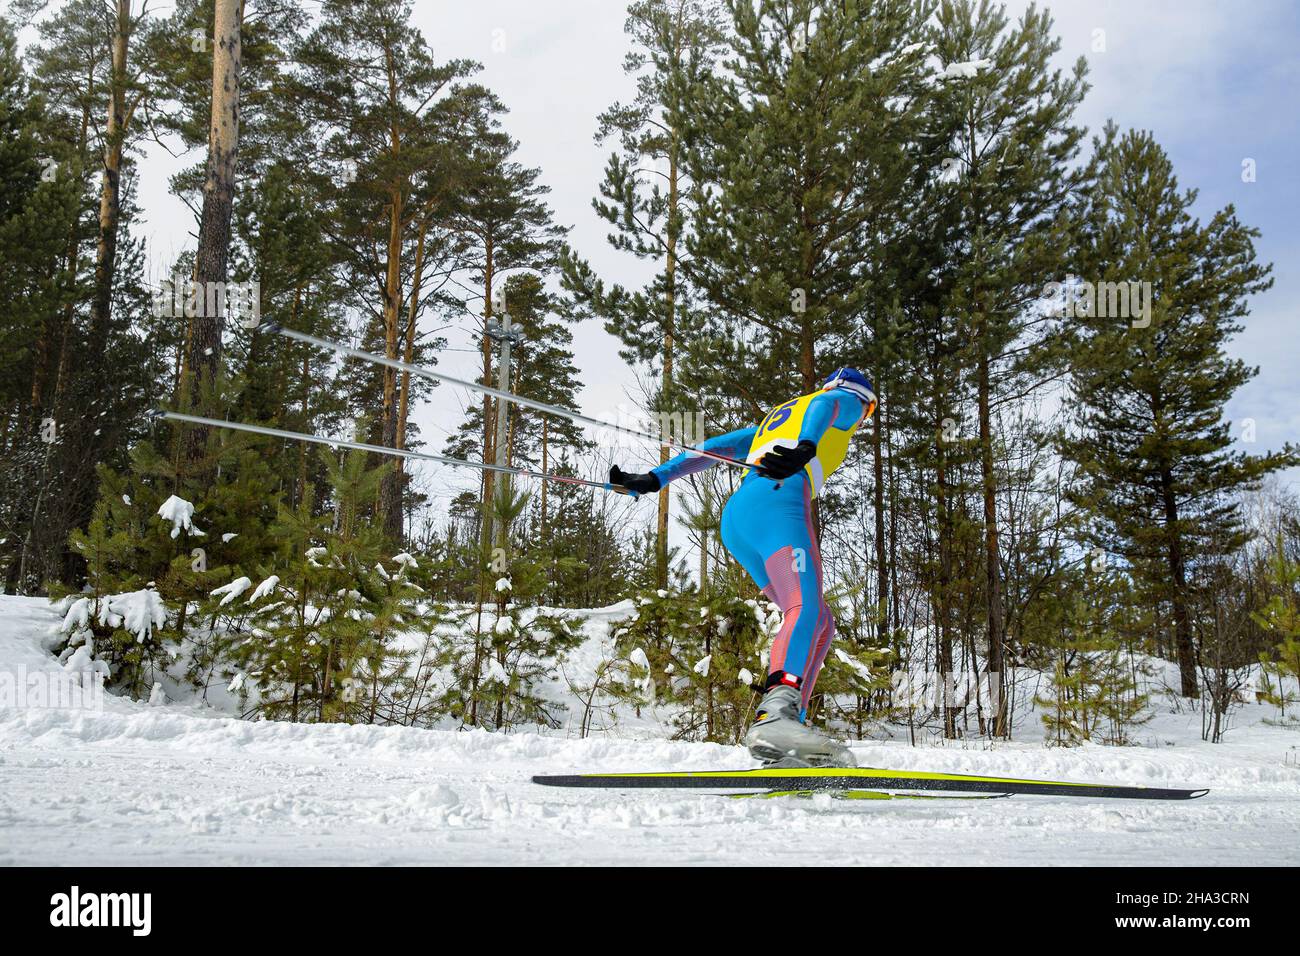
column 1156, row 466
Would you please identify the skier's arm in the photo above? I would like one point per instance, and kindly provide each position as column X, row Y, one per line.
column 839, row 407
column 732, row 444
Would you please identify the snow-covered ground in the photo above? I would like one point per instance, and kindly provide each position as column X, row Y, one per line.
column 177, row 785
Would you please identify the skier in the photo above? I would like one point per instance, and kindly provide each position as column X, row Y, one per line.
column 767, row 527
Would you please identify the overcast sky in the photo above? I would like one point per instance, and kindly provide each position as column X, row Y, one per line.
column 1217, row 83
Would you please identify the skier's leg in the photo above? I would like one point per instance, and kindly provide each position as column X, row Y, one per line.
column 779, row 526
column 733, row 527
column 825, row 633
column 737, row 531
column 763, row 528
column 793, row 564
column 790, row 649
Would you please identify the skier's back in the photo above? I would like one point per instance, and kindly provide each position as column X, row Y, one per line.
column 767, row 526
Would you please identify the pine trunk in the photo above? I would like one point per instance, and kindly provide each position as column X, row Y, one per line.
column 212, row 258
column 1178, row 594
column 546, row 467
column 945, row 535
column 992, row 557
column 878, row 503
column 110, row 191
column 390, row 489
column 704, row 561
column 666, row 387
column 489, row 420
column 408, row 346
column 74, row 267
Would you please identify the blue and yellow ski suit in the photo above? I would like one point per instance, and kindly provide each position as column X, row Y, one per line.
column 767, row 525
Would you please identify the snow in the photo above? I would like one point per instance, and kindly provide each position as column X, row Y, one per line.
column 645, row 683
column 82, row 661
column 965, row 70
column 181, row 514
column 494, row 672
column 232, row 590
column 266, row 587
column 503, row 585
column 185, row 785
column 77, row 616
column 886, row 58
column 862, row 670
column 136, row 611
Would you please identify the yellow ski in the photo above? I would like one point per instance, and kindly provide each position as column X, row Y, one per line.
column 811, row 779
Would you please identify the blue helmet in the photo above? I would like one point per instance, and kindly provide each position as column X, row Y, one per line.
column 855, row 382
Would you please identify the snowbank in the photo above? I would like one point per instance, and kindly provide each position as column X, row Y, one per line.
column 176, row 784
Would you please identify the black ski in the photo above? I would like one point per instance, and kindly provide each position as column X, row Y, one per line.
column 806, row 780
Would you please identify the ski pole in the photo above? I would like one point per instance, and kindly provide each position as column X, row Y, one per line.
column 496, row 393
column 381, row 450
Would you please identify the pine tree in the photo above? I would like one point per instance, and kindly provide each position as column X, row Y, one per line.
column 212, row 257
column 399, row 154
column 97, row 356
column 323, row 645
column 646, row 197
column 123, row 96
column 542, row 369
column 1281, row 619
column 507, row 225
column 292, row 384
column 791, row 150
column 1155, row 466
column 1095, row 673
column 39, row 206
column 130, row 546
column 1014, row 148
column 494, row 677
column 700, row 654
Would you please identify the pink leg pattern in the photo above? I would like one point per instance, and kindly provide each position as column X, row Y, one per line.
column 825, row 634
column 784, row 587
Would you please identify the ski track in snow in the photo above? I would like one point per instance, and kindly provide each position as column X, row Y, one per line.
column 177, row 786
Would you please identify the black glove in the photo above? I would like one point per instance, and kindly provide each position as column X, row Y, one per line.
column 641, row 484
column 781, row 462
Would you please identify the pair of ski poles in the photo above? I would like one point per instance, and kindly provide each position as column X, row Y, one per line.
column 450, row 380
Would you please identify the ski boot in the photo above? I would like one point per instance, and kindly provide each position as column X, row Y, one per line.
column 780, row 739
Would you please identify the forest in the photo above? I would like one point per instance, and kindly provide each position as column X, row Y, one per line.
column 1049, row 485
